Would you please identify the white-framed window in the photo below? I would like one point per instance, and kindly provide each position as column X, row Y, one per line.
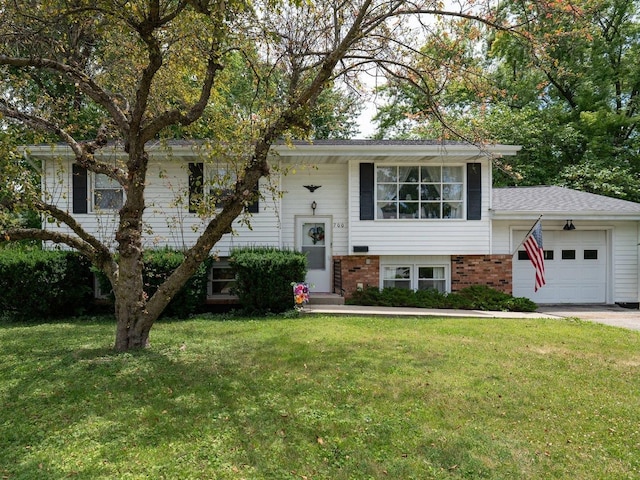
column 107, row 193
column 418, row 191
column 396, row 277
column 432, row 277
column 415, row 277
column 221, row 279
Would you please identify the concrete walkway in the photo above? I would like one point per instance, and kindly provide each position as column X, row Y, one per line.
column 608, row 314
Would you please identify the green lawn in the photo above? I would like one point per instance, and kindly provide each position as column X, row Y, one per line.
column 322, row 398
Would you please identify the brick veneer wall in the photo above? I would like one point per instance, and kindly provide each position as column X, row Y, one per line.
column 492, row 270
column 355, row 269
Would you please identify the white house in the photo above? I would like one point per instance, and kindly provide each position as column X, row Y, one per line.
column 410, row 214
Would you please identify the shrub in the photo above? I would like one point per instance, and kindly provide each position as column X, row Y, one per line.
column 477, row 297
column 264, row 276
column 37, row 283
column 158, row 265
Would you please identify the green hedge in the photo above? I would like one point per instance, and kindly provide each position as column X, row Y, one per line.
column 36, row 284
column 477, row 297
column 264, row 276
column 158, row 265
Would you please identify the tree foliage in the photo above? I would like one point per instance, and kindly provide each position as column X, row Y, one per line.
column 565, row 88
column 92, row 73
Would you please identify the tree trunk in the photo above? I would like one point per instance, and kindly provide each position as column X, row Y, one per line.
column 131, row 334
column 132, row 319
column 133, row 322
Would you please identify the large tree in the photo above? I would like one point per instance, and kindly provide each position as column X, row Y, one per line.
column 565, row 87
column 87, row 72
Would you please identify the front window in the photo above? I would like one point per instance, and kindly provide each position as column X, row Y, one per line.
column 107, row 193
column 415, row 277
column 419, row 192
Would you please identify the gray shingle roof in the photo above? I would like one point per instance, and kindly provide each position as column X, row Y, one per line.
column 553, row 199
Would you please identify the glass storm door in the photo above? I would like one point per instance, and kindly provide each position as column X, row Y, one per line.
column 314, row 240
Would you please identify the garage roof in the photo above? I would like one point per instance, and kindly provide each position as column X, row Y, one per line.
column 560, row 202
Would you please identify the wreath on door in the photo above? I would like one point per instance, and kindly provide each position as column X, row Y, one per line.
column 316, row 234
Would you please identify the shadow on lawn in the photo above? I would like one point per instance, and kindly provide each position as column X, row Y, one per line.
column 73, row 409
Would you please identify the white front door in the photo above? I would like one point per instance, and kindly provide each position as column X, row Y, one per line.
column 313, row 238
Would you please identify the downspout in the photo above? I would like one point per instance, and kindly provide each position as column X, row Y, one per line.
column 638, row 262
column 350, row 164
column 490, row 211
column 279, row 212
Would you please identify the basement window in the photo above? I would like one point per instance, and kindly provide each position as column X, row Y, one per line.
column 415, row 277
column 221, row 279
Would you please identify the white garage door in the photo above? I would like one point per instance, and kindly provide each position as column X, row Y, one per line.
column 575, row 268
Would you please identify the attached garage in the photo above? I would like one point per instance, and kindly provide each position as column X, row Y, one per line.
column 591, row 244
column 576, row 266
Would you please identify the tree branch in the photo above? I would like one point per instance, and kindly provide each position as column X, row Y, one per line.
column 73, row 224
column 194, row 113
column 101, row 261
column 85, row 83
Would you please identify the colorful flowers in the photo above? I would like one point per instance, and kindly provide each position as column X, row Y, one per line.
column 300, row 293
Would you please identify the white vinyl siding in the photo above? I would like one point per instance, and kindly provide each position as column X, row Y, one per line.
column 330, row 198
column 167, row 221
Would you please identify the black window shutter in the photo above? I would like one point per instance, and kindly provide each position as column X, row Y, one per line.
column 80, row 189
column 366, row 191
column 196, row 185
column 474, row 191
column 255, row 206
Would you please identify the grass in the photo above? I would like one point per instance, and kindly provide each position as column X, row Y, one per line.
column 322, row 398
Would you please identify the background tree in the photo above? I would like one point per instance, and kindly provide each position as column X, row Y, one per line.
column 565, row 88
column 243, row 74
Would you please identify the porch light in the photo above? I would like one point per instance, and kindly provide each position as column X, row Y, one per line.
column 314, row 205
column 569, row 225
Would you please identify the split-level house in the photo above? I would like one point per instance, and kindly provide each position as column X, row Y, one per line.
column 408, row 214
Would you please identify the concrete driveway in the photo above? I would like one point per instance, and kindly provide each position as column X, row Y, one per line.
column 608, row 314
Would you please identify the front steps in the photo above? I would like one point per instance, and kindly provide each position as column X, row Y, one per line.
column 322, row 298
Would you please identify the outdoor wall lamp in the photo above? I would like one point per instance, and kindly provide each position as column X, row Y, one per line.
column 569, row 225
column 314, row 205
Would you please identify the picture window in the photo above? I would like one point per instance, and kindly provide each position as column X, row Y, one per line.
column 424, row 192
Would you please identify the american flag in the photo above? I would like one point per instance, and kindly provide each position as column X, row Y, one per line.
column 533, row 246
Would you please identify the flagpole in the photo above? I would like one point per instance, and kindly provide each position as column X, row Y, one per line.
column 527, row 235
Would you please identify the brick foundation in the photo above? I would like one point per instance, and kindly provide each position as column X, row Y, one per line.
column 357, row 269
column 466, row 270
column 492, row 270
